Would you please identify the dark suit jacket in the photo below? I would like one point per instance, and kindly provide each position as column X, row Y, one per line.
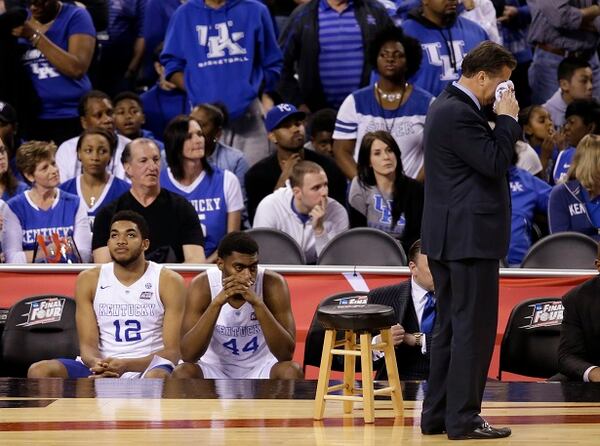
column 579, row 346
column 412, row 364
column 467, row 199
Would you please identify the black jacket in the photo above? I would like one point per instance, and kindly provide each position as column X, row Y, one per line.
column 412, row 364
column 579, row 348
column 467, row 199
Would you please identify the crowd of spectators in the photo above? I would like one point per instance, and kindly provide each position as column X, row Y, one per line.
column 301, row 115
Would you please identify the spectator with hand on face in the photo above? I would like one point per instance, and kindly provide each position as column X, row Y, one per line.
column 303, row 210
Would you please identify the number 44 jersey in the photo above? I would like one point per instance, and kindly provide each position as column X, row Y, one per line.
column 238, row 338
column 130, row 318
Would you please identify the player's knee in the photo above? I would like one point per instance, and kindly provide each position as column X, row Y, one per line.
column 286, row 370
column 187, row 370
column 158, row 373
column 47, row 369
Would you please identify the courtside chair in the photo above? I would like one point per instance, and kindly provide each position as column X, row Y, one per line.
column 363, row 246
column 530, row 342
column 276, row 247
column 357, row 320
column 562, row 250
column 37, row 328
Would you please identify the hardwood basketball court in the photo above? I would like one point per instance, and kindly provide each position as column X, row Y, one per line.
column 257, row 412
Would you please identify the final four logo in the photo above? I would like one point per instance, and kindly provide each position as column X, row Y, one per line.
column 44, row 311
column 545, row 314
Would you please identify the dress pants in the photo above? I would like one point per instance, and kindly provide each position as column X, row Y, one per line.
column 462, row 343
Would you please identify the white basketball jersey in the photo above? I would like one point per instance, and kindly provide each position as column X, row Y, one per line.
column 130, row 318
column 238, row 338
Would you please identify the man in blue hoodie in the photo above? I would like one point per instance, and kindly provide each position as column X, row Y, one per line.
column 225, row 50
column 445, row 38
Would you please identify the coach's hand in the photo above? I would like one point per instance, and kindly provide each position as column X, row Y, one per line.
column 508, row 105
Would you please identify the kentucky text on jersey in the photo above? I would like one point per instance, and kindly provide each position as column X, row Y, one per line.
column 126, row 309
column 29, row 235
column 577, row 209
column 247, row 330
column 207, row 204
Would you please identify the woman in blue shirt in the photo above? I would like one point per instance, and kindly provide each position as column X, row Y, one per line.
column 575, row 205
column 44, row 212
column 95, row 186
column 61, row 40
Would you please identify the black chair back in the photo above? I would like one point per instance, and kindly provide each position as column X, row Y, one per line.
column 277, row 247
column 530, row 342
column 37, row 328
column 363, row 246
column 562, row 250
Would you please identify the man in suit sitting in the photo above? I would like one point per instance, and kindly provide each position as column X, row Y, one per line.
column 414, row 306
column 579, row 350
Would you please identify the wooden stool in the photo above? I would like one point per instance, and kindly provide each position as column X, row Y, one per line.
column 353, row 319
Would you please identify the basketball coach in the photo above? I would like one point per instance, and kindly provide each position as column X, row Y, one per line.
column 465, row 231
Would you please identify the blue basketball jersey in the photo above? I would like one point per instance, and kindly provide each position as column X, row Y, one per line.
column 207, row 195
column 60, row 218
column 115, row 187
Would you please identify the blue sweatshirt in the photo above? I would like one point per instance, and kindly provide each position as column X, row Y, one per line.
column 567, row 210
column 528, row 195
column 226, row 54
column 443, row 49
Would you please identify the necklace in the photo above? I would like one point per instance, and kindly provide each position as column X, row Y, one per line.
column 387, row 96
column 390, row 97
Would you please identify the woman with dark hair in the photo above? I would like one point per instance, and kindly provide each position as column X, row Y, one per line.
column 391, row 104
column 9, row 185
column 95, row 186
column 213, row 118
column 384, row 196
column 215, row 194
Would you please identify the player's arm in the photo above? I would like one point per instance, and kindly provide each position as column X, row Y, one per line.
column 343, row 152
column 199, row 320
column 274, row 312
column 85, row 317
column 172, row 293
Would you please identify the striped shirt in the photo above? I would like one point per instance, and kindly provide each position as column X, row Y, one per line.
column 342, row 52
column 361, row 113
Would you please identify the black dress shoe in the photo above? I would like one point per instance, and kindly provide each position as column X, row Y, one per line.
column 439, row 431
column 483, row 432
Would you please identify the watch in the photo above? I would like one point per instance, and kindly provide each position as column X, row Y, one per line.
column 418, row 339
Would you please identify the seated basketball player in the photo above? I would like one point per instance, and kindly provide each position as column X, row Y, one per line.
column 238, row 321
column 128, row 313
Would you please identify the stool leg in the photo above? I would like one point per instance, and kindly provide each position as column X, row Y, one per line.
column 349, row 369
column 324, row 373
column 392, row 372
column 367, row 377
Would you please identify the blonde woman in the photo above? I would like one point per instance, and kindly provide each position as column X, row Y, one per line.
column 575, row 205
column 43, row 210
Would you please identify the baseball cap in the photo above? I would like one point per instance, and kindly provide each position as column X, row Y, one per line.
column 280, row 113
column 7, row 113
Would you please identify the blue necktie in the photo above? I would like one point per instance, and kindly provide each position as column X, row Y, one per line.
column 428, row 319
